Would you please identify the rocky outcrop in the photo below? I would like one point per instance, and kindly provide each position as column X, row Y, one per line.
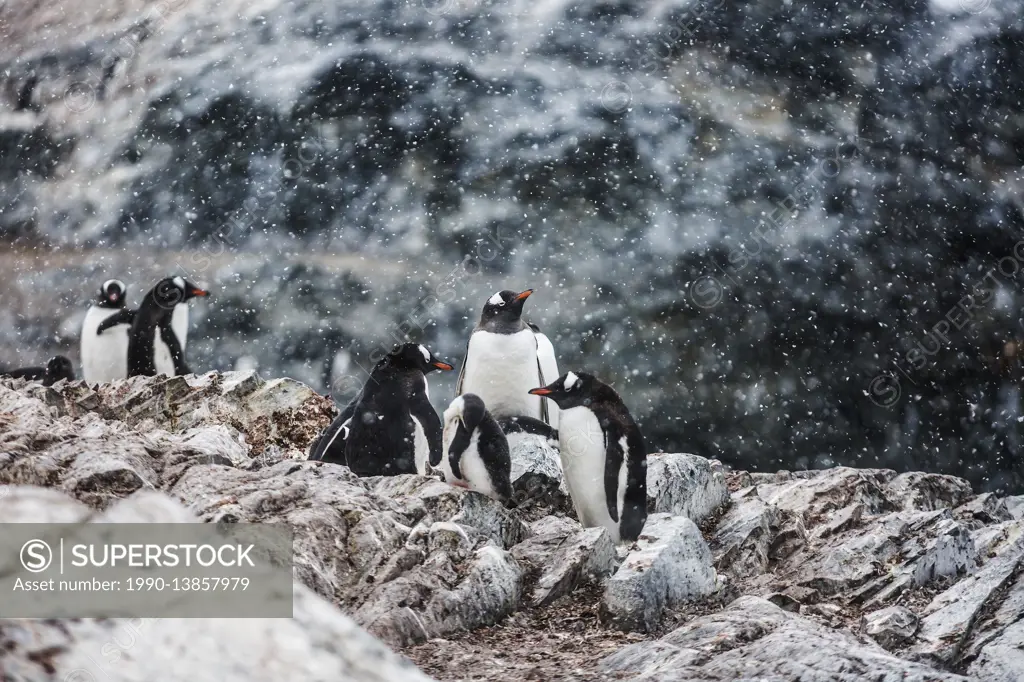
column 754, row 639
column 892, row 576
column 317, row 643
column 670, row 565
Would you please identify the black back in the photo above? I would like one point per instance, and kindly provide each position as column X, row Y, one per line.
column 59, row 367
column 330, row 445
column 375, row 434
column 492, row 446
column 585, row 390
column 154, row 314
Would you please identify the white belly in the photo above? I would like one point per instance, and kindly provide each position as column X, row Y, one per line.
column 474, row 473
column 582, row 452
column 421, row 448
column 501, row 369
column 161, row 353
column 103, row 358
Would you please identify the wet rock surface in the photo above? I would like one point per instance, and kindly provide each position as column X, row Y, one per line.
column 910, row 577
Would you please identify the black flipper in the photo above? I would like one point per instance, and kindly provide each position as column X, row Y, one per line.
column 177, row 354
column 323, row 445
column 462, row 370
column 459, row 444
column 634, row 504
column 331, row 445
column 30, row 373
column 523, row 424
column 612, row 465
column 122, row 316
column 424, row 412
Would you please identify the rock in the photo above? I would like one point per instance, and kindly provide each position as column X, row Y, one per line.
column 744, row 535
column 927, row 492
column 564, row 556
column 537, row 481
column 984, row 509
column 947, row 621
column 671, row 564
column 410, row 557
column 1015, row 506
column 685, row 485
column 317, row 643
column 754, row 639
column 891, row 626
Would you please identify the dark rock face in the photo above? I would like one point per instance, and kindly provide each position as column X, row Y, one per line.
column 789, row 232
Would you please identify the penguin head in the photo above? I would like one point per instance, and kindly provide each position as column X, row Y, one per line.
column 59, row 367
column 572, row 389
column 171, row 291
column 112, row 294
column 505, row 306
column 415, row 356
column 468, row 408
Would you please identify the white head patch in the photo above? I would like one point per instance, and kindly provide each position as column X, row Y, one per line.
column 455, row 410
column 426, row 353
column 570, row 380
column 180, row 282
column 496, row 299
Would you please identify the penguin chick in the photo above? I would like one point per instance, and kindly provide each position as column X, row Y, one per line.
column 603, row 455
column 476, row 454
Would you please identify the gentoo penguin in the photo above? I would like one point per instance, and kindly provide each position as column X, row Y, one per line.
column 390, row 427
column 502, row 360
column 59, row 367
column 152, row 318
column 105, row 358
column 476, row 454
column 179, row 326
column 603, row 455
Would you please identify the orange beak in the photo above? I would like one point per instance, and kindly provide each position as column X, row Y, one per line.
column 540, row 391
column 199, row 292
column 443, row 365
column 525, row 294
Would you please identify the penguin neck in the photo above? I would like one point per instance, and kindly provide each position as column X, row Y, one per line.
column 108, row 305
column 498, row 325
column 152, row 313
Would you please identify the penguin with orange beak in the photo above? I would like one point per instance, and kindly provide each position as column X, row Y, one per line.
column 506, row 357
column 603, row 455
column 390, row 428
column 151, row 329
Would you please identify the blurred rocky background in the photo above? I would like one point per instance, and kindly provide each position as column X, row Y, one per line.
column 787, row 232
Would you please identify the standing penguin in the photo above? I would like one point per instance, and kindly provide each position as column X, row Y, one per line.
column 154, row 318
column 503, row 361
column 179, row 327
column 59, row 367
column 603, row 455
column 105, row 358
column 476, row 454
column 390, row 428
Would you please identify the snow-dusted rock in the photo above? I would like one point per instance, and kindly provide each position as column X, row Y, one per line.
column 670, row 565
column 685, row 485
column 752, row 639
column 317, row 643
column 891, row 626
column 537, row 473
column 564, row 555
